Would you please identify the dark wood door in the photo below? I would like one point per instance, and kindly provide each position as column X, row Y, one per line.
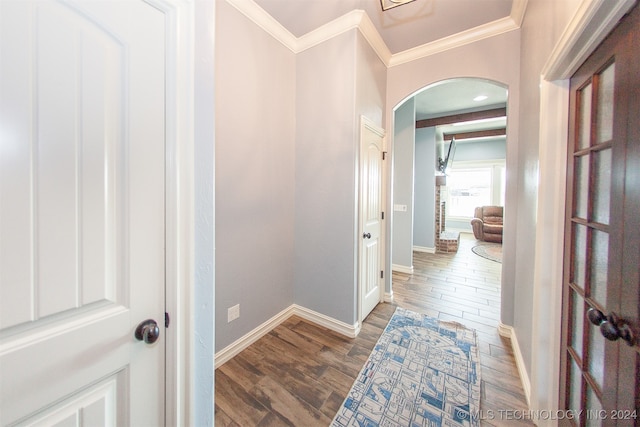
column 600, row 376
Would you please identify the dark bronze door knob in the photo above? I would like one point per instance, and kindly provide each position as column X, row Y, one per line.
column 148, row 331
column 611, row 326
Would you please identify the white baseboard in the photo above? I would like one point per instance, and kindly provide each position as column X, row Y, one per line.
column 338, row 326
column 249, row 338
column 424, row 249
column 388, row 297
column 508, row 332
column 402, row 268
column 505, row 330
column 254, row 335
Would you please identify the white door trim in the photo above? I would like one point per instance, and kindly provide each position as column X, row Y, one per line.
column 366, row 123
column 593, row 20
column 179, row 206
column 183, row 77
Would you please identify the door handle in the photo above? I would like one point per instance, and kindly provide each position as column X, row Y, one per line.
column 366, row 236
column 611, row 327
column 148, row 331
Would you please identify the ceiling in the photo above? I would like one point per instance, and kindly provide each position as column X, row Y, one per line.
column 405, row 27
column 402, row 28
column 456, row 96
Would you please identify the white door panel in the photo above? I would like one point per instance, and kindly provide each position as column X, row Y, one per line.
column 370, row 218
column 92, row 407
column 81, row 211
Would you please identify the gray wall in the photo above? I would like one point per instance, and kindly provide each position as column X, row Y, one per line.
column 424, row 190
column 403, row 169
column 325, row 183
column 255, row 135
column 489, row 149
column 286, row 172
column 371, row 84
column 543, row 24
column 338, row 81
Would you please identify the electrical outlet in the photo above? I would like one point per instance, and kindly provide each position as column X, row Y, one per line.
column 233, row 313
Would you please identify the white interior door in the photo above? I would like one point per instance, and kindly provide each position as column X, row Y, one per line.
column 370, row 277
column 82, row 128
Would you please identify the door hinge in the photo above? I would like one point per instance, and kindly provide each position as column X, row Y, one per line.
column 166, row 319
column 382, row 215
column 382, row 274
column 384, row 155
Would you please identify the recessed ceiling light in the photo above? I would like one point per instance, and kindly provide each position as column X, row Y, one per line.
column 480, row 98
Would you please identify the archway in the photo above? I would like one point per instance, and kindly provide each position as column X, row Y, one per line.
column 473, row 111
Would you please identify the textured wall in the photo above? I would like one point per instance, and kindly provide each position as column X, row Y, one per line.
column 403, row 168
column 338, row 81
column 424, row 191
column 325, row 183
column 255, row 135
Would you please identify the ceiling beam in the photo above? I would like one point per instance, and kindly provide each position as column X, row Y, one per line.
column 475, row 134
column 463, row 117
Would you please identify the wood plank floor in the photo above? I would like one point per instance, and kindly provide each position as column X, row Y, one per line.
column 299, row 373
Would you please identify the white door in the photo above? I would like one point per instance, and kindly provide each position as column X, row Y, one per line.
column 370, row 277
column 81, row 212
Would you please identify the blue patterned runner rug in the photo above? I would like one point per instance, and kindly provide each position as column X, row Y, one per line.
column 422, row 372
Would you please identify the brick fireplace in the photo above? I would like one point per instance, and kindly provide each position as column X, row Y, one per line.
column 446, row 241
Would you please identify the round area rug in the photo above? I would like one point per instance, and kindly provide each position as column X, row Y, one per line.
column 490, row 251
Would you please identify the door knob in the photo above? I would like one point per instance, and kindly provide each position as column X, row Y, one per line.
column 611, row 326
column 366, row 236
column 148, row 331
column 596, row 317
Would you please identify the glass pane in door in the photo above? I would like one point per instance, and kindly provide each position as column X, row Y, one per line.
column 593, row 414
column 582, row 186
column 584, row 129
column 602, row 190
column 599, row 261
column 604, row 122
column 575, row 389
column 595, row 351
column 578, row 273
column 577, row 319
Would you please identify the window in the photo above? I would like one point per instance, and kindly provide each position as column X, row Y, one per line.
column 472, row 185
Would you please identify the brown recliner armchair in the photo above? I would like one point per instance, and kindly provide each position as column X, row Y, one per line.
column 487, row 224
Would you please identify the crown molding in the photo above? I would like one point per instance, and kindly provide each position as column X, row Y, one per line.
column 591, row 23
column 471, row 35
column 360, row 20
column 356, row 19
column 371, row 34
column 518, row 7
column 344, row 23
column 262, row 19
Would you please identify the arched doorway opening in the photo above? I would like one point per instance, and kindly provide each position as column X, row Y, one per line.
column 449, row 157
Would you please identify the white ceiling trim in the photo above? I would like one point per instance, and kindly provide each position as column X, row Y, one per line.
column 593, row 20
column 471, row 35
column 352, row 20
column 360, row 20
column 261, row 18
column 369, row 31
column 490, row 29
column 518, row 7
